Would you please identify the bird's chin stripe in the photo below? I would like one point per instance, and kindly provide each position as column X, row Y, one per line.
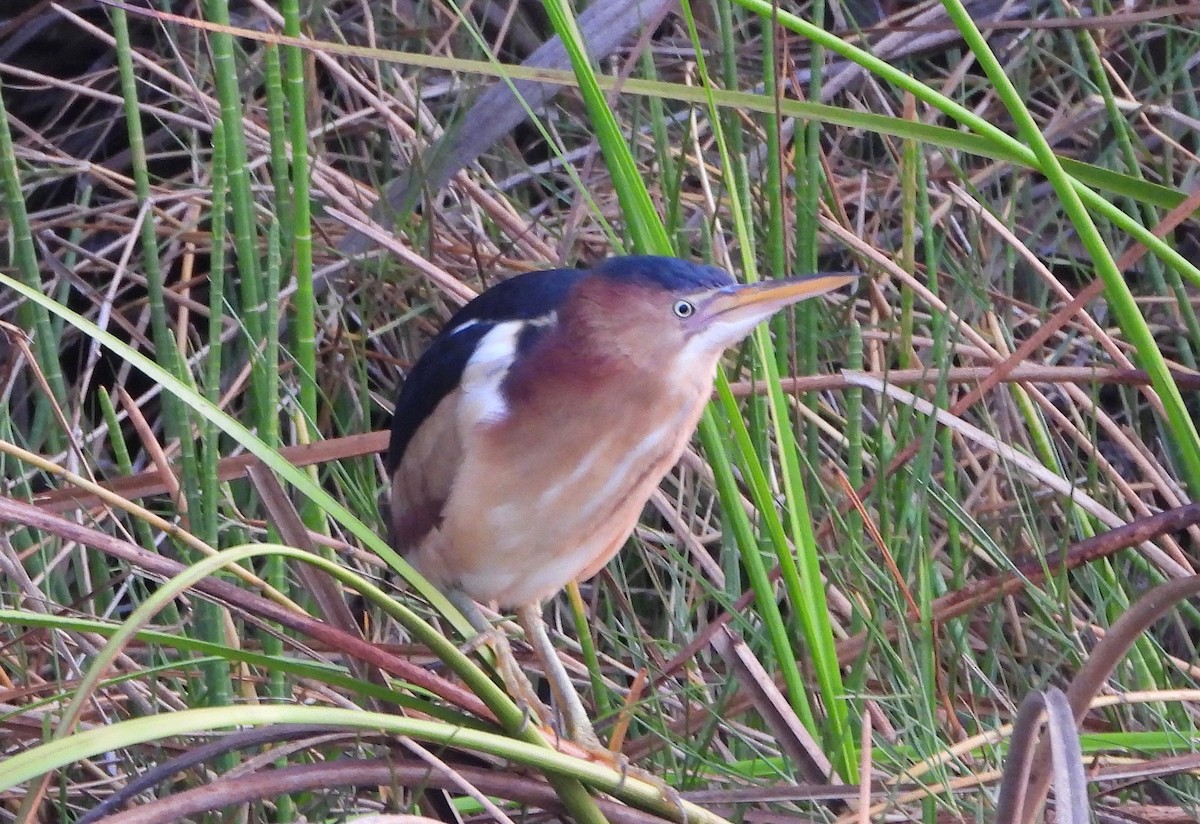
column 716, row 338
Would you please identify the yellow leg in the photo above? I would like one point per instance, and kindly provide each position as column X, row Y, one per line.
column 511, row 674
column 579, row 728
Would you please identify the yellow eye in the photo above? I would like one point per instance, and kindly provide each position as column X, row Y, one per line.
column 683, row 309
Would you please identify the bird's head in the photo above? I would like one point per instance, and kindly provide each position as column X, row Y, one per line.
column 660, row 306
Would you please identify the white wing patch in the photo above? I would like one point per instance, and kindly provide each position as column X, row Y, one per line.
column 483, row 397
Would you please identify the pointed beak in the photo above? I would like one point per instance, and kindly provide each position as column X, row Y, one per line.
column 754, row 302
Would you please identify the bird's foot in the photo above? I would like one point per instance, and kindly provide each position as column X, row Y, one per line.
column 518, row 685
column 620, row 763
column 515, row 682
column 668, row 793
column 579, row 729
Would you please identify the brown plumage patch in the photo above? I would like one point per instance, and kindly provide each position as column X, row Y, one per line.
column 422, row 482
column 601, row 338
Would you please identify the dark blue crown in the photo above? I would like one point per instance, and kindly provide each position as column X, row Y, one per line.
column 667, row 273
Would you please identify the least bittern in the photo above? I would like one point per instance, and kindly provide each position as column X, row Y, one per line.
column 529, row 436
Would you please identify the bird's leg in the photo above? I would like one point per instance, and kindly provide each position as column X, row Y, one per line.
column 511, row 674
column 579, row 728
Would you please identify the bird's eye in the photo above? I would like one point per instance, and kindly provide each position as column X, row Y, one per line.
column 683, row 309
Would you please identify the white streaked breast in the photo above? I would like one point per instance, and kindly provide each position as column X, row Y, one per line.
column 556, row 490
column 636, row 458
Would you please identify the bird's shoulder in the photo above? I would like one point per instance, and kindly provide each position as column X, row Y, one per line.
column 523, row 297
column 528, row 297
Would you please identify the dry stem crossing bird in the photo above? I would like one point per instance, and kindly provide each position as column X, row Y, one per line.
column 528, row 437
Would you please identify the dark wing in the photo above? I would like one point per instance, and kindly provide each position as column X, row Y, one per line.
column 439, row 370
column 435, row 375
column 523, row 297
column 425, row 449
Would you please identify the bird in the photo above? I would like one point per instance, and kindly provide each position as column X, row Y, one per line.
column 530, row 434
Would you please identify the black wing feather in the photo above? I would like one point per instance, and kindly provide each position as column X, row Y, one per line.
column 439, row 370
column 523, row 297
column 433, row 377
